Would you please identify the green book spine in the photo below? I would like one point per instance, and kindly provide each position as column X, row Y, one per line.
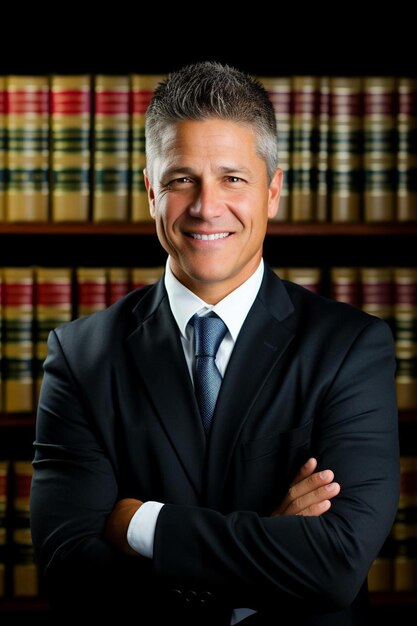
column 143, row 87
column 380, row 147
column 377, row 297
column 2, row 147
column 27, row 157
column 17, row 340
column 304, row 148
column 345, row 175
column 345, row 285
column 280, row 93
column 118, row 283
column 405, row 307
column 142, row 276
column 407, row 150
column 91, row 290
column 323, row 194
column 70, row 153
column 308, row 277
column 111, row 148
column 25, row 581
column 53, row 307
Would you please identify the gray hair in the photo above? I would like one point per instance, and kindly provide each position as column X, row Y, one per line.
column 212, row 90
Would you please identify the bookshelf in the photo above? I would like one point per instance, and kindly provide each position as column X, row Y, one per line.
column 287, row 244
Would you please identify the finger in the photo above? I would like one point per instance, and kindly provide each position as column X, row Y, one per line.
column 312, row 498
column 309, row 484
column 306, row 470
column 315, row 510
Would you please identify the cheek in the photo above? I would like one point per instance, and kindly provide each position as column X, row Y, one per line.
column 171, row 207
column 168, row 215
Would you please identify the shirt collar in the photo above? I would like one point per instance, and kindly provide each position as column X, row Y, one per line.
column 233, row 309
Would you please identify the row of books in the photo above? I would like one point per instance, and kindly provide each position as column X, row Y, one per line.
column 386, row 292
column 34, row 300
column 18, row 572
column 395, row 568
column 72, row 148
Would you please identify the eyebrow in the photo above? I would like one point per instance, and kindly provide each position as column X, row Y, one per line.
column 222, row 169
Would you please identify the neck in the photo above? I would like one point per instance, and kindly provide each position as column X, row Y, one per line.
column 212, row 292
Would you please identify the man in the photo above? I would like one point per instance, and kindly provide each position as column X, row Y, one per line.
column 154, row 496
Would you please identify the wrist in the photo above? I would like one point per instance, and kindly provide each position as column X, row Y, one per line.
column 118, row 523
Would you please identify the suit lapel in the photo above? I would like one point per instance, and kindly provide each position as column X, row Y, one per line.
column 260, row 345
column 157, row 351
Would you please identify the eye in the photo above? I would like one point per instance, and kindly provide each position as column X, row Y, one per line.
column 183, row 180
column 234, row 179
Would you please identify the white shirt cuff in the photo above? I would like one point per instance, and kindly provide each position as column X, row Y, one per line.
column 141, row 530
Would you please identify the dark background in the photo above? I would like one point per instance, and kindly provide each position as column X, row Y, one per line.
column 334, row 38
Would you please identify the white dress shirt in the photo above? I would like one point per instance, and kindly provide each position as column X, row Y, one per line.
column 233, row 310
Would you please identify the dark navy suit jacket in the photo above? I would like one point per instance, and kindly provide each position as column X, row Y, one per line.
column 118, row 418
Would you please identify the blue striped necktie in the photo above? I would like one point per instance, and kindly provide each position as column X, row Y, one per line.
column 209, row 332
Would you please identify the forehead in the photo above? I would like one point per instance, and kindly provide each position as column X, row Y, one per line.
column 207, row 137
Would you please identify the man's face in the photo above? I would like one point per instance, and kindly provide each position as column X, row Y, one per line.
column 210, row 198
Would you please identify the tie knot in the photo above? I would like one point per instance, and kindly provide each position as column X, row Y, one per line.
column 209, row 333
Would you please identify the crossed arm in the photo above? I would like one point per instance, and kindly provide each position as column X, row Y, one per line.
column 295, row 553
column 309, row 494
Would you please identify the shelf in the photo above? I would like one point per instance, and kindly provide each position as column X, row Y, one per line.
column 357, row 230
column 16, row 420
column 79, row 228
column 148, row 228
column 408, row 416
column 23, row 604
column 394, row 598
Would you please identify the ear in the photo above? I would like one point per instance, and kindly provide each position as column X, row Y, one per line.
column 151, row 193
column 274, row 193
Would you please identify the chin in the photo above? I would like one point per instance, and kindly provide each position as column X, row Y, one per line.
column 207, row 271
column 207, row 277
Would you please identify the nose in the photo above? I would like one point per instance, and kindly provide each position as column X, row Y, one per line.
column 208, row 202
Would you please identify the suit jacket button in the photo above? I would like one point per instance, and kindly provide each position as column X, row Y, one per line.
column 190, row 597
column 206, row 597
column 177, row 594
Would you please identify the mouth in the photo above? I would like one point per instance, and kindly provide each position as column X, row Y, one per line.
column 209, row 236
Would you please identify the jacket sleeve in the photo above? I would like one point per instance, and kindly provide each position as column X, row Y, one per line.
column 323, row 560
column 74, row 488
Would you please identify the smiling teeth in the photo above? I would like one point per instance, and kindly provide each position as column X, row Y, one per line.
column 209, row 237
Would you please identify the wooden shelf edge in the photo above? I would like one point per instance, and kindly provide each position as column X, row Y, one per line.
column 393, row 598
column 16, row 420
column 407, row 415
column 77, row 228
column 148, row 228
column 23, row 604
column 358, row 230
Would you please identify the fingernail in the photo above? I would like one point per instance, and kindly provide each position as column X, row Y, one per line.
column 325, row 474
column 330, row 487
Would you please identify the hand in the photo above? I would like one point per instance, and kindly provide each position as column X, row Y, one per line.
column 118, row 523
column 310, row 492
